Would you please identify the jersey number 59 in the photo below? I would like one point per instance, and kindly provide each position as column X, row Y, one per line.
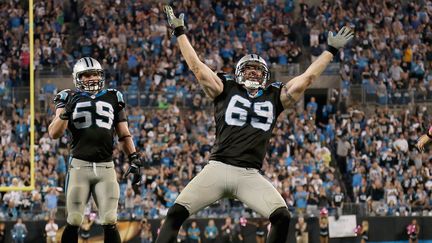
column 82, row 117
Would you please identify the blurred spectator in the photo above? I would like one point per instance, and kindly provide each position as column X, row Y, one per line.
column 342, row 149
column 182, row 236
column 171, row 195
column 228, row 231
column 194, row 233
column 413, row 231
column 260, row 233
column 324, row 227
column 338, row 201
column 19, row 231
column 302, row 235
column 240, row 228
column 300, row 198
column 49, row 89
column 51, row 229
column 376, row 197
column 211, row 232
column 364, row 232
column 51, row 200
column 145, row 232
column 312, row 107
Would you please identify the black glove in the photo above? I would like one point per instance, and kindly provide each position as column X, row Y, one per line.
column 69, row 106
column 134, row 168
column 60, row 99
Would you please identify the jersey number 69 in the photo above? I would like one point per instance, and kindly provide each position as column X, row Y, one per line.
column 236, row 114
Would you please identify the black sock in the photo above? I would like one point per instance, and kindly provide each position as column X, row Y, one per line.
column 70, row 234
column 111, row 234
column 279, row 219
column 177, row 214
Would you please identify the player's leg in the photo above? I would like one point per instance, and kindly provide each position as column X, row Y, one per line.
column 77, row 194
column 106, row 193
column 259, row 194
column 207, row 187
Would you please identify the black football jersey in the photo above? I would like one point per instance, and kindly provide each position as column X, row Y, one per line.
column 338, row 199
column 93, row 123
column 244, row 124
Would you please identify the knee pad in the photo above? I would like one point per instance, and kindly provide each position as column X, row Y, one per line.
column 280, row 216
column 75, row 219
column 109, row 218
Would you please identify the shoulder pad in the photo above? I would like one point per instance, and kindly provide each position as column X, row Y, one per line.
column 225, row 77
column 277, row 84
column 119, row 95
column 63, row 95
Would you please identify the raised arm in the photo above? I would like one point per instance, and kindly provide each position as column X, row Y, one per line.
column 209, row 81
column 295, row 88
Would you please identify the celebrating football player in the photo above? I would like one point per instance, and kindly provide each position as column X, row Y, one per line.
column 246, row 109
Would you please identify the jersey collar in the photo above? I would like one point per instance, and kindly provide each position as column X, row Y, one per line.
column 258, row 94
column 100, row 93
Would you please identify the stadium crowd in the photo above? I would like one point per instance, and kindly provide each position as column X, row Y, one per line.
column 374, row 152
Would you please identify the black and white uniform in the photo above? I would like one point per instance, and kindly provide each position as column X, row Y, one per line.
column 91, row 169
column 243, row 128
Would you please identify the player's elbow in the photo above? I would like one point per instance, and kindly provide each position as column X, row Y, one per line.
column 195, row 67
column 54, row 133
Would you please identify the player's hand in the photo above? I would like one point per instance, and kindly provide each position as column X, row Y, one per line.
column 69, row 107
column 61, row 99
column 341, row 38
column 173, row 21
column 421, row 142
column 134, row 168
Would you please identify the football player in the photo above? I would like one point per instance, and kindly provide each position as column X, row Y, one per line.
column 93, row 116
column 246, row 109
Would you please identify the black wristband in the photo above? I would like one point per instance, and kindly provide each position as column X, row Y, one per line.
column 332, row 50
column 132, row 156
column 430, row 136
column 178, row 31
column 124, row 137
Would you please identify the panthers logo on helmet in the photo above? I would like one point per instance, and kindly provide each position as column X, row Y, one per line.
column 88, row 65
column 258, row 63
